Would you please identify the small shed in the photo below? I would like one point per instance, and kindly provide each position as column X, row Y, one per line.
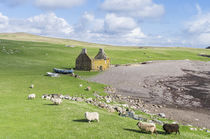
column 99, row 63
column 83, row 61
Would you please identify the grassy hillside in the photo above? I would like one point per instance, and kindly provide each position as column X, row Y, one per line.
column 26, row 63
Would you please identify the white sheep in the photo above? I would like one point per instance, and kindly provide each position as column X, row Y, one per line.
column 147, row 127
column 31, row 96
column 56, row 101
column 32, row 86
column 90, row 116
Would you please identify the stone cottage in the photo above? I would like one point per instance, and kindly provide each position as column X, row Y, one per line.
column 99, row 63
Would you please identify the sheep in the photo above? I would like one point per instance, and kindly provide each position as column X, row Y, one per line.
column 147, row 127
column 169, row 128
column 32, row 86
column 31, row 96
column 56, row 101
column 90, row 116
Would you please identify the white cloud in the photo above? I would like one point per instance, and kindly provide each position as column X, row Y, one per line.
column 198, row 8
column 45, row 24
column 4, row 20
column 199, row 29
column 134, row 8
column 50, row 24
column 116, row 24
column 112, row 29
column 89, row 23
column 54, row 4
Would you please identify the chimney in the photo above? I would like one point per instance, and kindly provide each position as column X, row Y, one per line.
column 84, row 51
column 101, row 50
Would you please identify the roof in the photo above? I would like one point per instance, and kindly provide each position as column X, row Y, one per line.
column 101, row 54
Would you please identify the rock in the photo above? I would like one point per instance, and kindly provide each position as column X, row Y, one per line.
column 131, row 114
column 102, row 105
column 125, row 105
column 89, row 100
column 145, row 110
column 67, row 97
column 79, row 99
column 133, row 107
column 162, row 115
column 119, row 109
column 158, row 122
column 108, row 99
column 74, row 98
column 110, row 108
column 193, row 129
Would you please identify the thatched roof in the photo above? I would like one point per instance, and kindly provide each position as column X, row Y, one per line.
column 101, row 54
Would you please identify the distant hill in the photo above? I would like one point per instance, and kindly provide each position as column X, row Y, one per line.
column 35, row 38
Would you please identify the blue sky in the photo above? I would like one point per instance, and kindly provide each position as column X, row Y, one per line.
column 118, row 22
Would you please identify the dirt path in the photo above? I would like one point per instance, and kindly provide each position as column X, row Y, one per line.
column 183, row 86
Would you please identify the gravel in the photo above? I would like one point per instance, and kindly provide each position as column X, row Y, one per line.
column 182, row 86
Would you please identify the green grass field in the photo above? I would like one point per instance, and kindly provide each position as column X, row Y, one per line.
column 23, row 63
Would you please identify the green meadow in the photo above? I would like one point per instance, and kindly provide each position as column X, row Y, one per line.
column 23, row 63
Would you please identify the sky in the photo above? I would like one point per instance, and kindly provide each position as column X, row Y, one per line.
column 180, row 23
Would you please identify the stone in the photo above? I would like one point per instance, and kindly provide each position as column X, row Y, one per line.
column 133, row 107
column 110, row 108
column 74, row 98
column 162, row 115
column 145, row 110
column 193, row 129
column 125, row 105
column 79, row 99
column 102, row 105
column 157, row 121
column 119, row 109
column 89, row 100
column 131, row 114
column 67, row 97
column 108, row 99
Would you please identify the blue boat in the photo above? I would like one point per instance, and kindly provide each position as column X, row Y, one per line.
column 63, row 71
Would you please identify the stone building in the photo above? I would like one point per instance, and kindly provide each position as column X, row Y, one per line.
column 99, row 63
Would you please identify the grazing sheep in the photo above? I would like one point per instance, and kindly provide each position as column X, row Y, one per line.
column 147, row 127
column 56, row 101
column 32, row 86
column 90, row 116
column 169, row 128
column 31, row 96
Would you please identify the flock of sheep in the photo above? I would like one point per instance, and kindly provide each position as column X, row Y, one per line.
column 91, row 116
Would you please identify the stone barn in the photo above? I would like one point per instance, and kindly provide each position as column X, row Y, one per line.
column 99, row 63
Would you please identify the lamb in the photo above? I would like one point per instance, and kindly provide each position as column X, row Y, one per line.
column 90, row 116
column 148, row 127
column 169, row 128
column 56, row 101
column 31, row 96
